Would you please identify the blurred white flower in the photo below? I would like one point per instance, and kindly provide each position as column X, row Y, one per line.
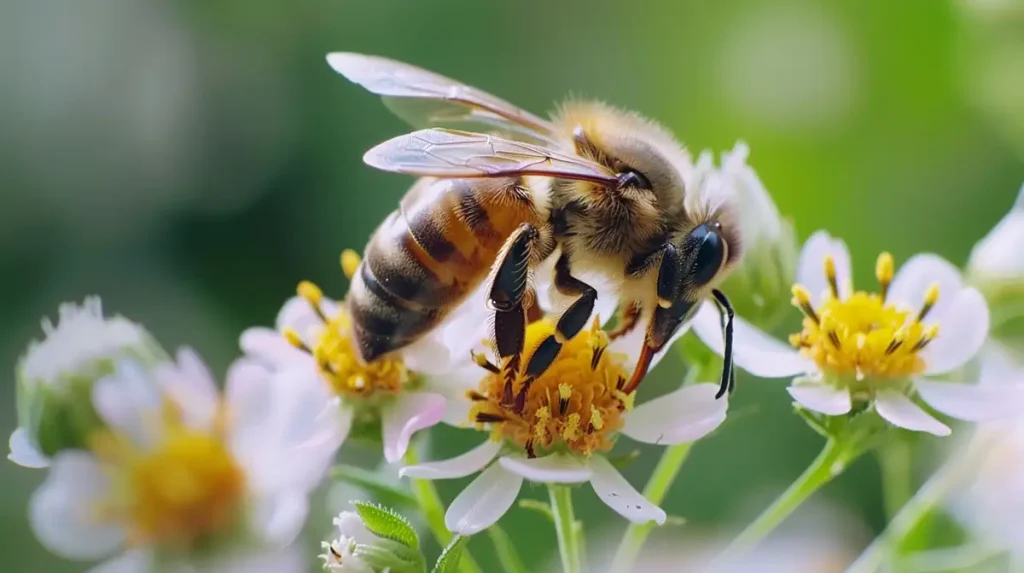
column 408, row 391
column 183, row 476
column 880, row 349
column 556, row 427
column 56, row 376
column 992, row 502
column 997, row 257
column 339, row 554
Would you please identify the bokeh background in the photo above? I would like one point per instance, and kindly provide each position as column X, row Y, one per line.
column 191, row 160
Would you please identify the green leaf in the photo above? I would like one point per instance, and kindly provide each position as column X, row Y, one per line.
column 387, row 523
column 390, row 494
column 448, row 562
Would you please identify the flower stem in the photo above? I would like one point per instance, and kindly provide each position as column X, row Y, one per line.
column 433, row 511
column 894, row 458
column 830, row 462
column 665, row 473
column 565, row 527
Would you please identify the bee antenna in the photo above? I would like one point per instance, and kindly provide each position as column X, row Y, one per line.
column 728, row 383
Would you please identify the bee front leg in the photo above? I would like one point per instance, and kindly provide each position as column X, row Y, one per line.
column 629, row 317
column 570, row 323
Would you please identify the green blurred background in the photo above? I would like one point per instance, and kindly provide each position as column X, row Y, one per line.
column 191, row 160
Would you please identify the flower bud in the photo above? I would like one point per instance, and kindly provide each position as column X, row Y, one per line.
column 55, row 377
column 996, row 267
column 357, row 549
column 759, row 286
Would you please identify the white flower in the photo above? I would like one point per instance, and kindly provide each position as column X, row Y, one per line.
column 180, row 467
column 883, row 349
column 410, row 389
column 556, row 427
column 340, row 555
column 992, row 502
column 55, row 377
column 997, row 256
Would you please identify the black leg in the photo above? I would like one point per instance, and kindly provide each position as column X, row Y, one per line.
column 507, row 291
column 728, row 383
column 570, row 323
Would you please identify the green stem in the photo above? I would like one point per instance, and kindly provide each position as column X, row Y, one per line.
column 664, row 475
column 894, row 459
column 832, row 460
column 565, row 527
column 433, row 511
column 506, row 551
column 917, row 510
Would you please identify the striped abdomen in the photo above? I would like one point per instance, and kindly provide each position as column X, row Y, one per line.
column 426, row 257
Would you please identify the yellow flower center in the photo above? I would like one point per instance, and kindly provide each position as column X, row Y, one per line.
column 334, row 349
column 863, row 336
column 185, row 487
column 577, row 404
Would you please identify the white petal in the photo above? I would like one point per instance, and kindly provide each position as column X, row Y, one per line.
column 459, row 466
column 920, row 272
column 24, row 453
column 269, row 347
column 190, row 385
column 963, row 329
column 410, row 413
column 484, row 501
column 811, row 268
column 62, row 512
column 279, row 518
column 819, row 397
column 753, row 350
column 555, row 468
column 997, row 255
column 973, row 402
column 285, row 429
column 998, row 365
column 685, row 415
column 428, row 355
column 298, row 314
column 614, row 490
column 129, row 401
column 127, row 562
column 900, row 411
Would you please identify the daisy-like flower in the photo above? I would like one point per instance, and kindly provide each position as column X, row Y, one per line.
column 56, row 375
column 557, row 427
column 881, row 349
column 340, row 555
column 406, row 391
column 183, row 478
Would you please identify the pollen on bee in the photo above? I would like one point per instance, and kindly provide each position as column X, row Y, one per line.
column 350, row 263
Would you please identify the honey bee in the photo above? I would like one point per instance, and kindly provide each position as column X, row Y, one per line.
column 503, row 190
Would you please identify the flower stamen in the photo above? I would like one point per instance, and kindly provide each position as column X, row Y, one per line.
column 350, row 263
column 931, row 296
column 885, row 269
column 830, row 275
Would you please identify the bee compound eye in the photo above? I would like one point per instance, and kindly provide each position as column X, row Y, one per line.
column 710, row 254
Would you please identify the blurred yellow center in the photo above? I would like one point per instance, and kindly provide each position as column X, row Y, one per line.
column 174, row 492
column 863, row 336
column 577, row 404
column 334, row 352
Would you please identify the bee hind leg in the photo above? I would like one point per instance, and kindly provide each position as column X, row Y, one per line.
column 507, row 296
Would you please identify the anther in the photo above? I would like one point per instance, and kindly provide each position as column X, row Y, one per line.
column 931, row 296
column 596, row 359
column 834, row 338
column 482, row 361
column 475, row 396
column 884, row 270
column 564, row 393
column 929, row 335
column 293, row 338
column 349, row 263
column 830, row 274
column 802, row 300
column 530, row 452
column 313, row 295
column 595, row 419
column 488, row 418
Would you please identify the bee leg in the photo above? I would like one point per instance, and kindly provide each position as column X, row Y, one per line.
column 629, row 317
column 728, row 383
column 507, row 293
column 570, row 323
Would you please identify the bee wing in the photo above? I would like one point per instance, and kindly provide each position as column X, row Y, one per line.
column 425, row 99
column 449, row 153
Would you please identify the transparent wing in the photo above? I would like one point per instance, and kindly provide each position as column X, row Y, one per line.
column 425, row 99
column 449, row 153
